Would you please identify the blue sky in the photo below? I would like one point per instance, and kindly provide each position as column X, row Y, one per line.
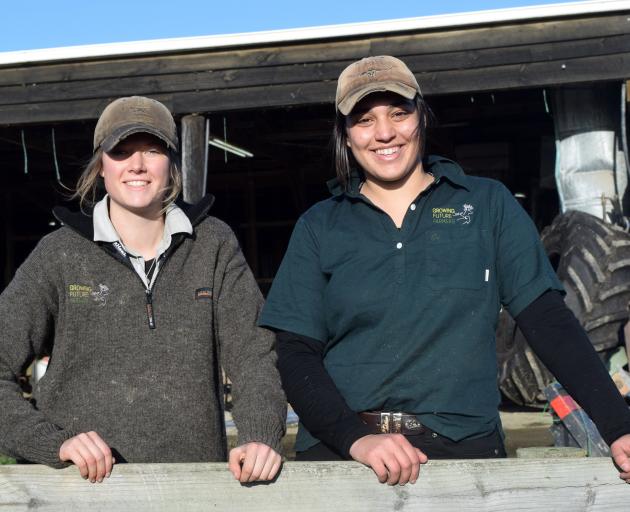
column 30, row 24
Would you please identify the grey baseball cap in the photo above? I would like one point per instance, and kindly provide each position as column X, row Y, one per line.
column 134, row 114
column 373, row 74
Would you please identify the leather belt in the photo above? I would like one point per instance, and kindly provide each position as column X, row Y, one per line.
column 392, row 423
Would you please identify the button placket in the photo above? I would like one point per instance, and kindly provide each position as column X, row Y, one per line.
column 399, row 265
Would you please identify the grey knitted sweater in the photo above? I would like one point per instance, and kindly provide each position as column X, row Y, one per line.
column 153, row 394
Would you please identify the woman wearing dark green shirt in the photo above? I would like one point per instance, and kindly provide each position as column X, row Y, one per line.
column 388, row 296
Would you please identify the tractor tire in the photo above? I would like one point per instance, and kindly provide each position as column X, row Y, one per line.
column 592, row 260
column 593, row 263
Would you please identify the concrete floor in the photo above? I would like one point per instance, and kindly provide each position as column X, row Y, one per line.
column 525, row 430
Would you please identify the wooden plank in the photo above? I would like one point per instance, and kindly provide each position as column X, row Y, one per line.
column 504, row 36
column 254, row 97
column 538, row 74
column 421, row 42
column 168, row 84
column 37, row 113
column 491, row 485
column 303, row 73
column 210, row 60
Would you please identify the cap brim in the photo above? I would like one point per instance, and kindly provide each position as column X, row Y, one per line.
column 348, row 103
column 125, row 131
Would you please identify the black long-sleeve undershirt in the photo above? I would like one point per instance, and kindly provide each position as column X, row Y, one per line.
column 313, row 394
column 549, row 326
column 560, row 342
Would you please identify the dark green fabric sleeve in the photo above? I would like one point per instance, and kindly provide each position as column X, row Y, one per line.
column 524, row 270
column 295, row 302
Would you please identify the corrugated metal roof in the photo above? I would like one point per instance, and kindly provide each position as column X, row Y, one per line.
column 487, row 17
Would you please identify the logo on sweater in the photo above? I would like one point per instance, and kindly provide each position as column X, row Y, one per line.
column 83, row 294
column 446, row 215
column 203, row 293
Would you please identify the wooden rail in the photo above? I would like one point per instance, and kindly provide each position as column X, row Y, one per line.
column 490, row 485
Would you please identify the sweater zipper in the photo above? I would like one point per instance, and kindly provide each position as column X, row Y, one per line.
column 150, row 315
column 148, row 290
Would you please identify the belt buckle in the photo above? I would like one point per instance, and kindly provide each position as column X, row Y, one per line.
column 414, row 425
column 384, row 423
column 391, row 422
column 397, row 422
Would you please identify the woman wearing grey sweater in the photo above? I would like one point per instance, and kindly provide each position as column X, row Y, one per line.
column 139, row 305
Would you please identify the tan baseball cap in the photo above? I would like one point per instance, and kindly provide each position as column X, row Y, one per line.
column 373, row 74
column 134, row 114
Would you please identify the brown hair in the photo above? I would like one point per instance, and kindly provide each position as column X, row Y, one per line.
column 342, row 156
column 90, row 180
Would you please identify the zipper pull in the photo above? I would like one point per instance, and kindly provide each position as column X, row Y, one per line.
column 150, row 316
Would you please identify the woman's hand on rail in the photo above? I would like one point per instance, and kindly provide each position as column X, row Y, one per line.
column 254, row 461
column 90, row 454
column 391, row 457
column 620, row 451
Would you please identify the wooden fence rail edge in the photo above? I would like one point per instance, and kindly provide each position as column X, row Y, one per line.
column 589, row 484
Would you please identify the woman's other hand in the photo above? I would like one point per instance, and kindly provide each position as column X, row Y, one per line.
column 254, row 461
column 90, row 454
column 391, row 457
column 620, row 451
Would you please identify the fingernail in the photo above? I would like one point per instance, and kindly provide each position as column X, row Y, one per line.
column 625, row 466
column 84, row 477
column 107, row 475
column 93, row 480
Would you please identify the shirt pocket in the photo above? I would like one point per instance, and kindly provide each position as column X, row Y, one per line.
column 457, row 258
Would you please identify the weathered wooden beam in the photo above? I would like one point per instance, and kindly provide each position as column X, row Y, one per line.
column 491, row 485
column 541, row 73
column 194, row 146
column 307, row 72
column 536, row 74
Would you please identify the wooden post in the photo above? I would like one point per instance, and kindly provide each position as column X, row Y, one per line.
column 194, row 147
column 9, row 240
column 252, row 234
column 561, row 485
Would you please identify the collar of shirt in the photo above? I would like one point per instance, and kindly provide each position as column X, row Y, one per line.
column 176, row 221
column 439, row 166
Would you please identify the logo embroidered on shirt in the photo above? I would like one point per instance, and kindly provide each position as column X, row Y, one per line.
column 447, row 215
column 203, row 293
column 82, row 293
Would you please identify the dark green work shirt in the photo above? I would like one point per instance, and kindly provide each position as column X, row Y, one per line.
column 408, row 315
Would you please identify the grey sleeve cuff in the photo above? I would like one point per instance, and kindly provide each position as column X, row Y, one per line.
column 43, row 444
column 262, row 430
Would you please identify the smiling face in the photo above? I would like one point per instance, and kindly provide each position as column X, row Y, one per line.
column 382, row 133
column 136, row 174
